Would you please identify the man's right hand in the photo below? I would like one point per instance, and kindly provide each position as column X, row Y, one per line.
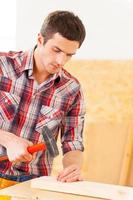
column 17, row 149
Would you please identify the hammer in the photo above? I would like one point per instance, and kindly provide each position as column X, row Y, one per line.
column 50, row 145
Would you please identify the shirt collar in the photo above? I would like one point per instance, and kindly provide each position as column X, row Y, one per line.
column 27, row 65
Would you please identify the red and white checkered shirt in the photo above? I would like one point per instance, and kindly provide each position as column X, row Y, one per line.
column 26, row 107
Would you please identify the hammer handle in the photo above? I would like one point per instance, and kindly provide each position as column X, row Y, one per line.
column 36, row 147
column 31, row 149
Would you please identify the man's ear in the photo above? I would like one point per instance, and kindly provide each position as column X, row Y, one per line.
column 40, row 39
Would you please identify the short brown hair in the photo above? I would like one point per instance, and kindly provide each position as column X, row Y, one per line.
column 65, row 23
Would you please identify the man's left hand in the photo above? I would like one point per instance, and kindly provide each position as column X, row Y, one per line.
column 70, row 174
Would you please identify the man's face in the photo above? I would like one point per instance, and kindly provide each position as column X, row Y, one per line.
column 54, row 54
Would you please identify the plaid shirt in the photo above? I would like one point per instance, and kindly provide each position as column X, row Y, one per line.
column 26, row 107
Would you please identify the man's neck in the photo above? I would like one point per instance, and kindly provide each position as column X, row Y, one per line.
column 39, row 75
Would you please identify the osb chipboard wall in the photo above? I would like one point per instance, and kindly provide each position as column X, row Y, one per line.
column 108, row 90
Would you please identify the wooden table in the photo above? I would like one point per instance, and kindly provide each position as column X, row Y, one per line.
column 92, row 191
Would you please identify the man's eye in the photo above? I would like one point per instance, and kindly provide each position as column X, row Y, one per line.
column 69, row 55
column 56, row 50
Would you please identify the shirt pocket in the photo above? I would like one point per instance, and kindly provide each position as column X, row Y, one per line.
column 5, row 84
column 8, row 106
column 50, row 117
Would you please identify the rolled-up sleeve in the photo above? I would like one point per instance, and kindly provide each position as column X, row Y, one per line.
column 73, row 124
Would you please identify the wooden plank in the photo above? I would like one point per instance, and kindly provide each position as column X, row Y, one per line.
column 84, row 188
column 23, row 191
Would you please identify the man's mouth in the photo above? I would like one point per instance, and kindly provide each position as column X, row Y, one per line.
column 55, row 66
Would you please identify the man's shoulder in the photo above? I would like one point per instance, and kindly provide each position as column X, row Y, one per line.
column 11, row 62
column 11, row 54
column 68, row 85
column 69, row 76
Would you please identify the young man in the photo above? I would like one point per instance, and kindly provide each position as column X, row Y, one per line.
column 35, row 91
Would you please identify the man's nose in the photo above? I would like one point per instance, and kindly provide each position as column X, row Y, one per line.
column 61, row 59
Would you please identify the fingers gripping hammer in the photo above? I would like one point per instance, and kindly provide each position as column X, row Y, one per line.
column 49, row 144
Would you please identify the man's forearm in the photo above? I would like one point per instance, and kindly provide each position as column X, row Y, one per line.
column 73, row 158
